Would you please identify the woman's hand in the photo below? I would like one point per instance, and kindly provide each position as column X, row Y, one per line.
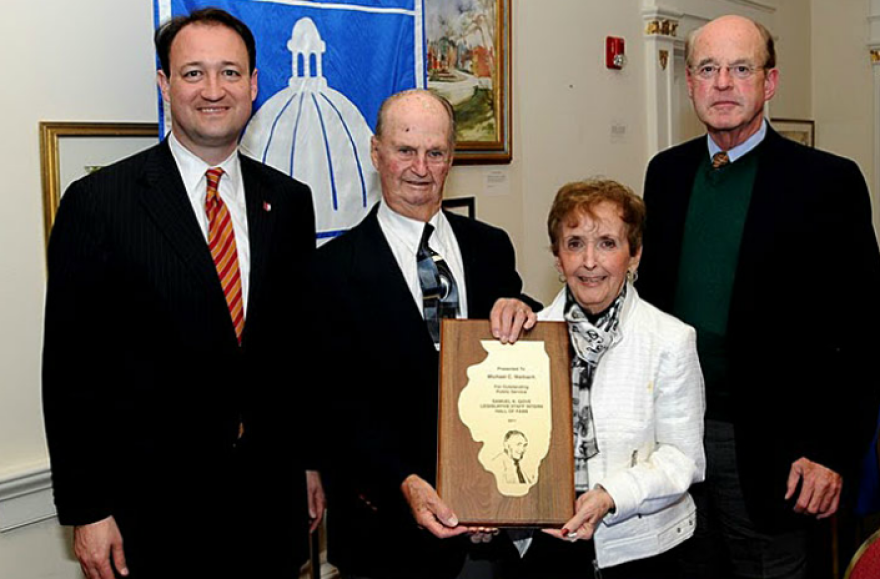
column 592, row 506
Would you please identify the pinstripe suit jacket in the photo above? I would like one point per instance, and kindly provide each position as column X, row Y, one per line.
column 144, row 384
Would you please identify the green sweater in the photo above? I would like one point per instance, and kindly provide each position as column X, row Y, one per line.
column 709, row 256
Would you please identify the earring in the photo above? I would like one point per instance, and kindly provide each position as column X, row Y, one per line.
column 632, row 276
column 561, row 278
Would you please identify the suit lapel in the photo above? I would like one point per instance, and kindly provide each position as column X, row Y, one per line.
column 165, row 200
column 469, row 260
column 761, row 216
column 666, row 220
column 762, row 220
column 261, row 223
column 375, row 269
column 685, row 174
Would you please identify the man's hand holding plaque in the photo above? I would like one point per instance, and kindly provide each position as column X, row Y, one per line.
column 429, row 510
column 509, row 318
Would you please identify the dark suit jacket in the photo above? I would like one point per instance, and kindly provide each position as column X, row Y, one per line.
column 803, row 312
column 382, row 384
column 144, row 384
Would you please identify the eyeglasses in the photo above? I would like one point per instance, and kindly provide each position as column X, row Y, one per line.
column 737, row 71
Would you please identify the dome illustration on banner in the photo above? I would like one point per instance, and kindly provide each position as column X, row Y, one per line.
column 315, row 134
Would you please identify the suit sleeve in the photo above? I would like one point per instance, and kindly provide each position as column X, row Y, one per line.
column 650, row 274
column 78, row 361
column 498, row 276
column 362, row 452
column 284, row 360
column 515, row 283
column 303, row 319
column 850, row 396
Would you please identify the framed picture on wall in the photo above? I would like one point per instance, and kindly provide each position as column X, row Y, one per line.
column 468, row 61
column 799, row 130
column 70, row 150
column 465, row 206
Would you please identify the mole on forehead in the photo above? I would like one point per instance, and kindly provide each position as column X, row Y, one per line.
column 418, row 126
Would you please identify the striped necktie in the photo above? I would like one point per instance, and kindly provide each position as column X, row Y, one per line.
column 720, row 159
column 221, row 242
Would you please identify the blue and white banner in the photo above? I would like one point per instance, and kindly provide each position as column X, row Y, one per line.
column 324, row 69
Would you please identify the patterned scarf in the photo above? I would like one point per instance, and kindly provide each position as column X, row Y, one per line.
column 590, row 342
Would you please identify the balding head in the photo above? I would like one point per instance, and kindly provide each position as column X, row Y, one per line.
column 418, row 97
column 735, row 25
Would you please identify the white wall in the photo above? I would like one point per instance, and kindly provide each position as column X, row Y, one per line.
column 89, row 61
column 40, row 551
column 63, row 61
column 843, row 82
column 792, row 29
column 565, row 104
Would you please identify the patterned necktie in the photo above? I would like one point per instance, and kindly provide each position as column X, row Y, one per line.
column 720, row 159
column 439, row 290
column 221, row 242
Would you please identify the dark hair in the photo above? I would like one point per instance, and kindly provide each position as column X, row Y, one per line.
column 166, row 33
column 582, row 197
column 383, row 110
column 511, row 433
column 769, row 45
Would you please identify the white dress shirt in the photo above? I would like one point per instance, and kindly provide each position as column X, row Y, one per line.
column 404, row 234
column 192, row 171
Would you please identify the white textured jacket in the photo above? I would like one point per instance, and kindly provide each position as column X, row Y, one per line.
column 648, row 403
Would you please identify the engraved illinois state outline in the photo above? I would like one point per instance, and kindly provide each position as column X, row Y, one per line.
column 506, row 407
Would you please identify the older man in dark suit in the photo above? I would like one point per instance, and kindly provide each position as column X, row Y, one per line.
column 766, row 247
column 175, row 278
column 384, row 286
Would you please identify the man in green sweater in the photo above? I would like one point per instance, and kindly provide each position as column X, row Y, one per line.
column 766, row 247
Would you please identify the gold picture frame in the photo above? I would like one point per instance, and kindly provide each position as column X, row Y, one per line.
column 90, row 147
column 469, row 62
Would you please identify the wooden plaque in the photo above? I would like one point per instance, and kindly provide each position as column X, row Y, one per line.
column 506, row 456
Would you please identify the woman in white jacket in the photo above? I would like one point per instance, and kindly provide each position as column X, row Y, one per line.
column 637, row 393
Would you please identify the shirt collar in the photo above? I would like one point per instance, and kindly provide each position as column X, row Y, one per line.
column 409, row 231
column 740, row 150
column 192, row 171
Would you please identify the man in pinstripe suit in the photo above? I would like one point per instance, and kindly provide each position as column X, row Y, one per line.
column 161, row 383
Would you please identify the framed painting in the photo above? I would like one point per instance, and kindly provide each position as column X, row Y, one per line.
column 468, row 62
column 464, row 206
column 800, row 131
column 70, row 150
